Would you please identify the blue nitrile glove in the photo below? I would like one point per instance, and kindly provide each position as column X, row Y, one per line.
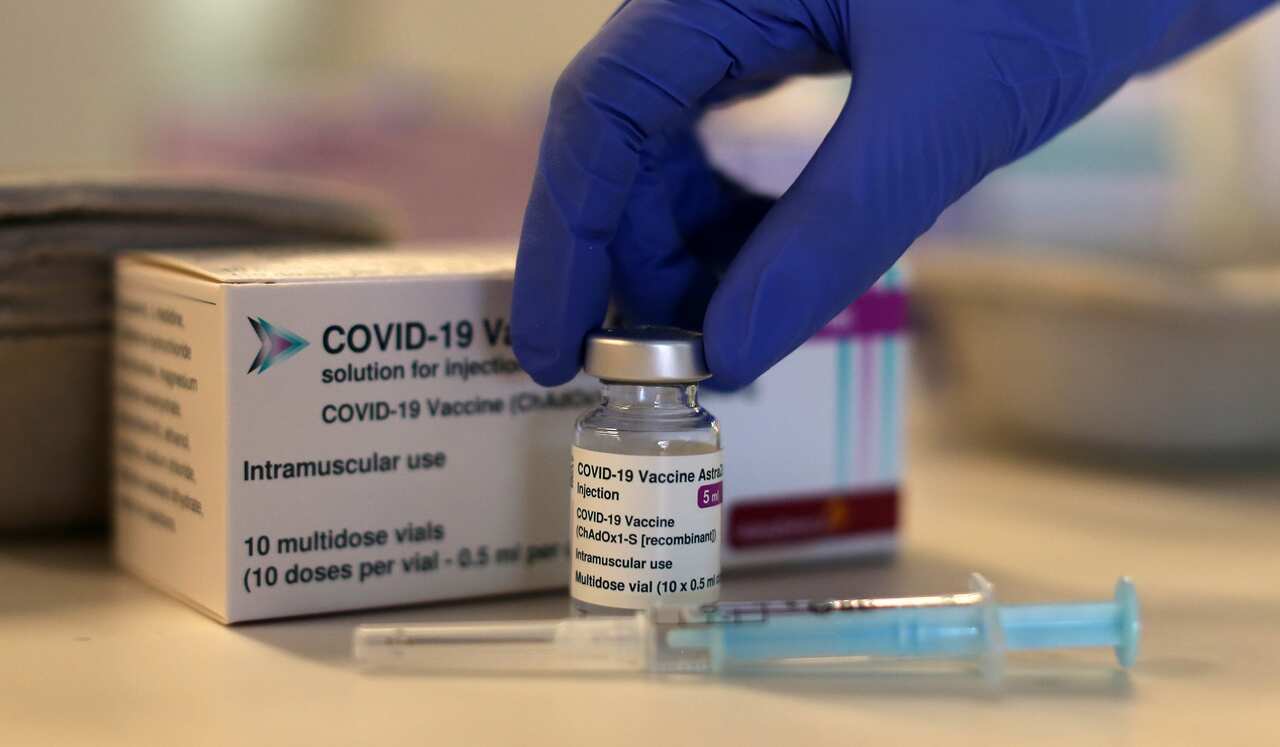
column 944, row 91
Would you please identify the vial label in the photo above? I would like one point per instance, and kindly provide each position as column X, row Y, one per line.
column 646, row 529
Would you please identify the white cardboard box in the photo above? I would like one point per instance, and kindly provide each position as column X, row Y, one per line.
column 312, row 431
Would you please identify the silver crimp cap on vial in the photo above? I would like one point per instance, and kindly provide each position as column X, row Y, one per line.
column 646, row 355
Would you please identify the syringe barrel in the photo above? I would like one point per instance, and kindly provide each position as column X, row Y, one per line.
column 907, row 632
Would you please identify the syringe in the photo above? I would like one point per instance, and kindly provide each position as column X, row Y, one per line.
column 744, row 637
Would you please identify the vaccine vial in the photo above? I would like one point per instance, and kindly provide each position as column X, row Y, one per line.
column 648, row 477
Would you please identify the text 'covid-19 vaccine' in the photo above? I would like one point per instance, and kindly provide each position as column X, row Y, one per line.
column 648, row 477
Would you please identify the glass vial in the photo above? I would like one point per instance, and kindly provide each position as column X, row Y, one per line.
column 648, row 477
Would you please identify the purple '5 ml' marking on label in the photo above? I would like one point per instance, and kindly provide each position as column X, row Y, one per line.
column 711, row 494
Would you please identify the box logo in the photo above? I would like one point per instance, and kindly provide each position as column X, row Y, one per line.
column 278, row 344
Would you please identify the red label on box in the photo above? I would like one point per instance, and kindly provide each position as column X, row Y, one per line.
column 876, row 312
column 782, row 521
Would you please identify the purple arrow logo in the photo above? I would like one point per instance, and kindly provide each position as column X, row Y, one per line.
column 278, row 343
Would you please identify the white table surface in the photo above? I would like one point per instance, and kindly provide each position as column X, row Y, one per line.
column 90, row 656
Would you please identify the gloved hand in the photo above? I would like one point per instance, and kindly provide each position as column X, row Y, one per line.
column 943, row 92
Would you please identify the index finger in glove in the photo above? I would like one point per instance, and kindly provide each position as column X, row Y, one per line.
column 648, row 69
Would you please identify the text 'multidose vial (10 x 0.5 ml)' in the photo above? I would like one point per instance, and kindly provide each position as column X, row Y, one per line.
column 648, row 477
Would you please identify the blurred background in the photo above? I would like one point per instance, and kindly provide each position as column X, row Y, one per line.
column 424, row 101
column 429, row 101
